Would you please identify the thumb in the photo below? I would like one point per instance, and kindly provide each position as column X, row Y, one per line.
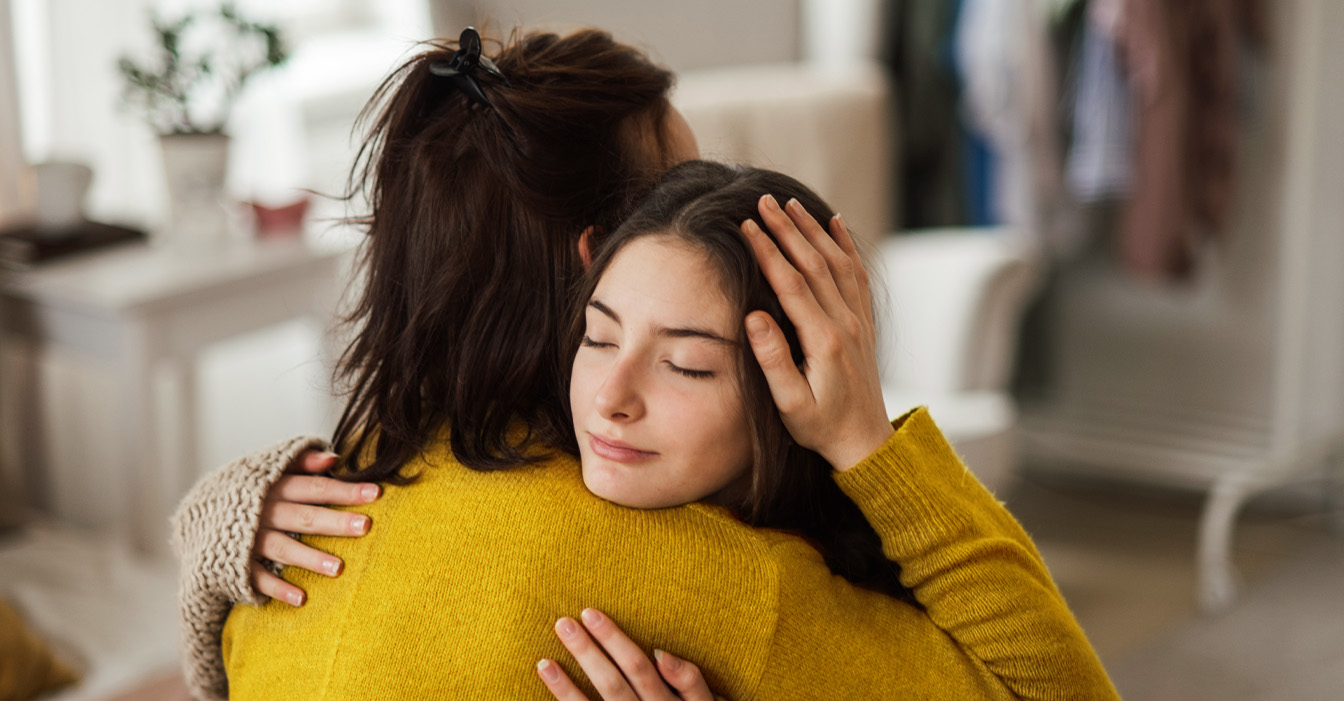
column 788, row 387
column 313, row 462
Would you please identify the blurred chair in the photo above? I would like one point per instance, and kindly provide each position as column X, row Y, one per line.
column 948, row 334
column 827, row 126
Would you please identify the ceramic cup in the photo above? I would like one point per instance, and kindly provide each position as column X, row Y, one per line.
column 61, row 188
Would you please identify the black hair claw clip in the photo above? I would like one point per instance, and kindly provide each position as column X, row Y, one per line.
column 461, row 68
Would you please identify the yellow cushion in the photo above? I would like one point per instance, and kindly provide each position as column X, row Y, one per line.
column 28, row 667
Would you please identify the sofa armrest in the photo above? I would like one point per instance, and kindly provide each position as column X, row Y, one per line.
column 954, row 299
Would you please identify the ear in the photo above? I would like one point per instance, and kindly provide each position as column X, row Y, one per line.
column 585, row 247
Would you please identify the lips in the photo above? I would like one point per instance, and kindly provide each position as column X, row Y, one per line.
column 617, row 451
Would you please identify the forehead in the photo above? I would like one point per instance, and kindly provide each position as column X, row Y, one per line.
column 663, row 276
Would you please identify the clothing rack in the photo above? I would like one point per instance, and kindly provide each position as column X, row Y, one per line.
column 1233, row 383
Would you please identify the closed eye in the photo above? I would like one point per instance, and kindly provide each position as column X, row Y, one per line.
column 697, row 374
column 590, row 343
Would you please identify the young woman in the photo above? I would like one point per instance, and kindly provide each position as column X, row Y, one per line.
column 670, row 406
column 439, row 599
column 481, row 176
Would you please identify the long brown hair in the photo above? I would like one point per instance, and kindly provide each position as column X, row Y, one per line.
column 475, row 214
column 791, row 487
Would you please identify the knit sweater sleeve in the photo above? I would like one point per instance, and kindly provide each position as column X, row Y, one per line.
column 212, row 535
column 972, row 566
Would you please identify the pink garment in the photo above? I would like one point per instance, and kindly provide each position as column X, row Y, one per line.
column 1182, row 59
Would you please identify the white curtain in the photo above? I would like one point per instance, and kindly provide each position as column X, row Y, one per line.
column 11, row 147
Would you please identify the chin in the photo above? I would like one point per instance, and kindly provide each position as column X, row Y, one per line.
column 607, row 483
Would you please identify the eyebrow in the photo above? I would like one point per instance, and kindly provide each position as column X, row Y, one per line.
column 680, row 332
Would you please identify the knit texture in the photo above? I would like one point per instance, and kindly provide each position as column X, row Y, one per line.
column 454, row 591
column 213, row 533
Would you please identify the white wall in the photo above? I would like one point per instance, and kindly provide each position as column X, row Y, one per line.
column 683, row 35
column 11, row 153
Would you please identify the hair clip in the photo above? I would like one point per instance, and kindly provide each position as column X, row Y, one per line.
column 460, row 69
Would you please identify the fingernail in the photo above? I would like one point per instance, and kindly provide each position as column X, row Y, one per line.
column 757, row 329
column 548, row 671
column 330, row 455
column 770, row 203
column 359, row 525
column 369, row 492
column 566, row 628
column 591, row 617
column 670, row 662
column 794, row 205
column 294, row 598
column 333, row 567
column 840, row 218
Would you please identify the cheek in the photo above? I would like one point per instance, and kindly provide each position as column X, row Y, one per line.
column 583, row 381
column 728, row 434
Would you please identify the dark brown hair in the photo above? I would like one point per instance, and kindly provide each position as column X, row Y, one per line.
column 475, row 214
column 791, row 488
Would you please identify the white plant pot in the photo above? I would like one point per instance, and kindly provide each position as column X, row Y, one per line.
column 194, row 166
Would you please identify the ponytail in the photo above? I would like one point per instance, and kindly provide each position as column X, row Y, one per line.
column 475, row 213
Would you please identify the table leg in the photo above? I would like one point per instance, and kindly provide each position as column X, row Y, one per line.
column 26, row 413
column 145, row 524
column 182, row 471
column 1334, row 489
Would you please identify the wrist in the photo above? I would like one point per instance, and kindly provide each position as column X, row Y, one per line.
column 862, row 444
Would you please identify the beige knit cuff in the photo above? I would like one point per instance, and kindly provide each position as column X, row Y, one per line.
column 212, row 534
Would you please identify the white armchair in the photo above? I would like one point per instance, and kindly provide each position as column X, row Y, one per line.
column 948, row 333
column 949, row 328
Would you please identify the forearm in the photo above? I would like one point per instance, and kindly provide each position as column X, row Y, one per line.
column 972, row 566
column 213, row 532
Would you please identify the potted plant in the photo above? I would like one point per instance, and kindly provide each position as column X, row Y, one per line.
column 186, row 90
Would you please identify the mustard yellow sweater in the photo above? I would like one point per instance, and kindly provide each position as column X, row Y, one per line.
column 454, row 592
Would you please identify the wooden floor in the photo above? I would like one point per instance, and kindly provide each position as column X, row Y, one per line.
column 1124, row 558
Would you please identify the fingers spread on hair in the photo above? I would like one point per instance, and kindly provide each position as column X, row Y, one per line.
column 842, row 267
column 803, row 254
column 608, row 681
column 840, row 232
column 795, row 295
column 303, row 489
column 265, row 582
column 313, row 520
column 280, row 547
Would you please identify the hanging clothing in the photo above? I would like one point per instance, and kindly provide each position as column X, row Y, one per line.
column 1006, row 62
column 1181, row 59
column 916, row 49
column 1100, row 161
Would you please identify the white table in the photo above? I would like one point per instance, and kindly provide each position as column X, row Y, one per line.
column 142, row 309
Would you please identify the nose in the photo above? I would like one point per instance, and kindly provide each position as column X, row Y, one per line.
column 621, row 397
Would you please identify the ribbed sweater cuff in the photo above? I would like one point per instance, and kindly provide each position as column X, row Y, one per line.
column 916, row 480
column 212, row 535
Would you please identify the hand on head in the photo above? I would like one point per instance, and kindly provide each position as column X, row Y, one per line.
column 832, row 403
